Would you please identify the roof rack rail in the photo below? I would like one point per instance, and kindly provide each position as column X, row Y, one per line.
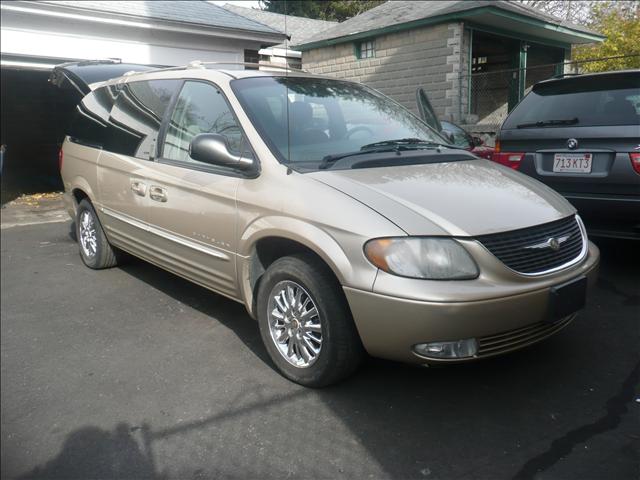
column 197, row 64
column 562, row 75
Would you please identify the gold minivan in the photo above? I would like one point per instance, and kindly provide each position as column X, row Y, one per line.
column 344, row 223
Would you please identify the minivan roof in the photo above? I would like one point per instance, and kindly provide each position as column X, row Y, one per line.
column 214, row 74
column 85, row 76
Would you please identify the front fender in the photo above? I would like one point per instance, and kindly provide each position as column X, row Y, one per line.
column 307, row 234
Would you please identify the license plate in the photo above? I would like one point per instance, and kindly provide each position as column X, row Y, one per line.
column 572, row 162
column 567, row 298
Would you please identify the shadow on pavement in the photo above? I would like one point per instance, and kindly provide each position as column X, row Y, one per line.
column 91, row 452
column 231, row 314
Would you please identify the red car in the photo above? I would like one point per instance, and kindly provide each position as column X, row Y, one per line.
column 462, row 138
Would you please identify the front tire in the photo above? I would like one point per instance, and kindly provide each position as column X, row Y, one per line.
column 95, row 250
column 305, row 322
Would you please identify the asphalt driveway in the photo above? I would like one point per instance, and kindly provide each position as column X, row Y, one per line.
column 135, row 373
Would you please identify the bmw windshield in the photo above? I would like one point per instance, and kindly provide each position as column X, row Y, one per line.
column 311, row 123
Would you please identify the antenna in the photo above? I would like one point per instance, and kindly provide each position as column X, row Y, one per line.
column 286, row 83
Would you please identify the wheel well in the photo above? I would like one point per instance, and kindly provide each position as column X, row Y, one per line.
column 79, row 195
column 268, row 250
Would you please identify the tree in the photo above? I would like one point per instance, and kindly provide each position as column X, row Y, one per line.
column 335, row 10
column 574, row 11
column 620, row 22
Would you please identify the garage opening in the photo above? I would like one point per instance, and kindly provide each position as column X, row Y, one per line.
column 34, row 119
column 503, row 69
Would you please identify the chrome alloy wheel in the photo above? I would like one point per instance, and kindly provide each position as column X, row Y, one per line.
column 88, row 240
column 294, row 324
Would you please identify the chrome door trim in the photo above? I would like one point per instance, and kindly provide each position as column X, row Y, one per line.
column 166, row 235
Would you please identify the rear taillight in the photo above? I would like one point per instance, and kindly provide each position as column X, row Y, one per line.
column 635, row 161
column 510, row 159
column 60, row 159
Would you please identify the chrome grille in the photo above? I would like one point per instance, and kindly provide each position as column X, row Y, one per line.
column 518, row 338
column 528, row 250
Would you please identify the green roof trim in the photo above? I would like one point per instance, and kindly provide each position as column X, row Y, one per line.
column 595, row 37
column 449, row 17
column 517, row 35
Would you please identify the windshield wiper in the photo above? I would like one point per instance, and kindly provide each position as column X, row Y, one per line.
column 399, row 145
column 549, row 123
column 331, row 159
column 406, row 142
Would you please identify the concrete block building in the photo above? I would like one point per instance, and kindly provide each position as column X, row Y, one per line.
column 474, row 59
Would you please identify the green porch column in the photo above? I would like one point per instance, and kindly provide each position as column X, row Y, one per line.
column 522, row 69
column 566, row 55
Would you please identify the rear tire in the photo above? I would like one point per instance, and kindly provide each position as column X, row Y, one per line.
column 95, row 250
column 305, row 322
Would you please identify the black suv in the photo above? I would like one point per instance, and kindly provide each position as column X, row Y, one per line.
column 581, row 136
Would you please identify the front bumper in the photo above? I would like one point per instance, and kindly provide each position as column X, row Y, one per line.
column 389, row 326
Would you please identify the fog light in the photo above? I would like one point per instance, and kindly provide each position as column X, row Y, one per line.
column 457, row 349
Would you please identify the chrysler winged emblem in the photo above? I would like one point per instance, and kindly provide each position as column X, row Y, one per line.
column 552, row 242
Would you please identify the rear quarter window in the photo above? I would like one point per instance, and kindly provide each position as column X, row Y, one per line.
column 593, row 101
column 91, row 119
column 136, row 117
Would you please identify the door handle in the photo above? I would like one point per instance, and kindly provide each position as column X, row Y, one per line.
column 158, row 194
column 139, row 188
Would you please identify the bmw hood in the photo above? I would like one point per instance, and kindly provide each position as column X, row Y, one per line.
column 460, row 198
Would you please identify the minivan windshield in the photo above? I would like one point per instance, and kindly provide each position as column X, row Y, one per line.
column 310, row 123
column 579, row 102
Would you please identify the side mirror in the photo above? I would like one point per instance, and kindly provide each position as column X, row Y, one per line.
column 214, row 149
column 477, row 141
column 449, row 136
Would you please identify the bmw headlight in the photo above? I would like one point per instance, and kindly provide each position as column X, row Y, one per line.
column 427, row 258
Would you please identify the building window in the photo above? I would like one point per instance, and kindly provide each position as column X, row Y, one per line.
column 251, row 56
column 478, row 64
column 365, row 49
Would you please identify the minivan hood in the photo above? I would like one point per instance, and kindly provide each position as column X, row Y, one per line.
column 463, row 198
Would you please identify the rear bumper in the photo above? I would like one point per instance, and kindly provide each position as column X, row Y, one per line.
column 390, row 326
column 608, row 215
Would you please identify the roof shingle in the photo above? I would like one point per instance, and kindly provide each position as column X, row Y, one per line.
column 298, row 28
column 197, row 12
column 399, row 12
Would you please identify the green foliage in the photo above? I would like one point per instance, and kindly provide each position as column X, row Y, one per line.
column 335, row 10
column 621, row 25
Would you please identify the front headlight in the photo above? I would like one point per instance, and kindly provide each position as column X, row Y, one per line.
column 427, row 258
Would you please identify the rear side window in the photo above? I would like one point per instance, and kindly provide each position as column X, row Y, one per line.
column 593, row 102
column 136, row 117
column 200, row 108
column 89, row 125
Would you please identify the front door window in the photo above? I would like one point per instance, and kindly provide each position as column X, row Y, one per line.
column 201, row 108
